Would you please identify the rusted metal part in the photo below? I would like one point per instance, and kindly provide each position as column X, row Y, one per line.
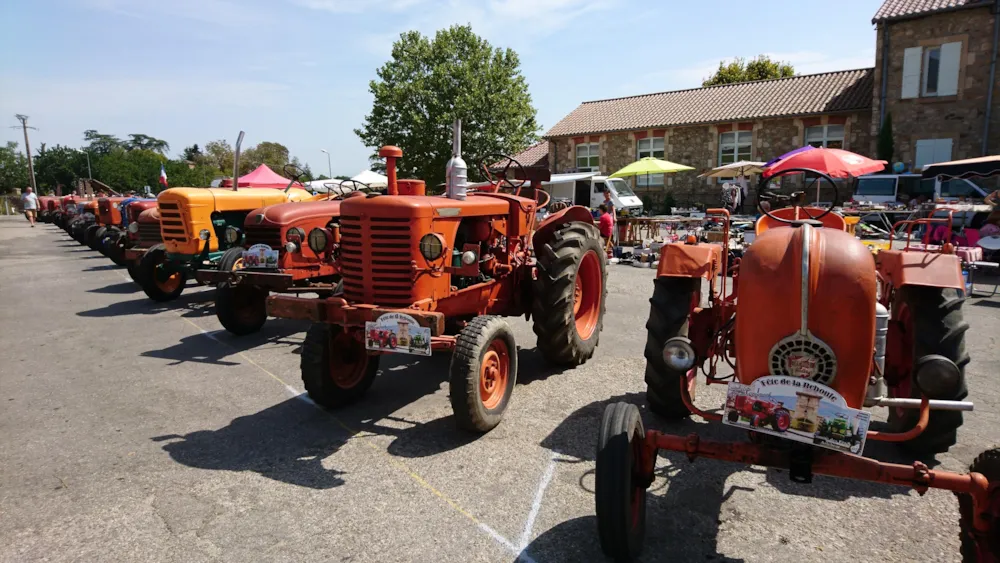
column 687, row 390
column 335, row 310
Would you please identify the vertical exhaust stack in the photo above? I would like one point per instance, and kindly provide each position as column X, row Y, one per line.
column 390, row 154
column 457, row 172
column 236, row 162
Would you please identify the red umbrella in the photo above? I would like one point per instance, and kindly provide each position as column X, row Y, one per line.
column 835, row 163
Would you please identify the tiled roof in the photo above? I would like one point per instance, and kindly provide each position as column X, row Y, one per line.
column 901, row 9
column 535, row 155
column 828, row 92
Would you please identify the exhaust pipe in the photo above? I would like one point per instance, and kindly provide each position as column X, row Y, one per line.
column 236, row 162
column 457, row 172
column 876, row 388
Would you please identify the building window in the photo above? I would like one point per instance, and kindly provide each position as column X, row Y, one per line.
column 932, row 66
column 734, row 146
column 649, row 147
column 588, row 157
column 931, row 71
column 827, row 136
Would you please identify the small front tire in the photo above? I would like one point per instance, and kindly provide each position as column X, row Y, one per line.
column 483, row 373
column 336, row 368
column 157, row 289
column 619, row 494
column 241, row 309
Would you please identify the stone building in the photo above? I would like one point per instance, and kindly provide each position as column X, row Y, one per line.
column 934, row 56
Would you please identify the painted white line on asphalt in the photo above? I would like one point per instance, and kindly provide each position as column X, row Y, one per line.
column 536, row 504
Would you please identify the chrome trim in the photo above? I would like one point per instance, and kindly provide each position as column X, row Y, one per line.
column 804, row 290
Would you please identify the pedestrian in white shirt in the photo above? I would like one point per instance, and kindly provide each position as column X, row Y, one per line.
column 29, row 201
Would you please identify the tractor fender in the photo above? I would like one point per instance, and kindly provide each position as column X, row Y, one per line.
column 900, row 268
column 572, row 214
column 679, row 260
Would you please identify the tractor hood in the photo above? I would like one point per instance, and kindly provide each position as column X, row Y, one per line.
column 284, row 214
column 424, row 206
column 217, row 199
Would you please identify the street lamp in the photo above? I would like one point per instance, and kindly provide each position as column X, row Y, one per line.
column 90, row 174
column 329, row 167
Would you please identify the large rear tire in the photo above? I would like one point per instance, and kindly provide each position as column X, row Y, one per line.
column 483, row 373
column 619, row 496
column 570, row 294
column 154, row 284
column 669, row 309
column 336, row 368
column 935, row 325
column 95, row 242
column 988, row 549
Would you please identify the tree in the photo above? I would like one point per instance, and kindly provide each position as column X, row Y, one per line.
column 100, row 144
column 885, row 146
column 428, row 83
column 741, row 70
column 59, row 165
column 138, row 141
column 274, row 155
column 220, row 155
column 192, row 153
column 13, row 168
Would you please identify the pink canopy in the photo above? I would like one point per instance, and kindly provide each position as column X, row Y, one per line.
column 262, row 177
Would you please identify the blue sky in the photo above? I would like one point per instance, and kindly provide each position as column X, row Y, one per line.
column 297, row 71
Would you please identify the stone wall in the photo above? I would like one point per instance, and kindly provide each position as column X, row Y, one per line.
column 960, row 117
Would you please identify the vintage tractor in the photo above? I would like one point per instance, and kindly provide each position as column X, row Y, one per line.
column 46, row 204
column 808, row 323
column 108, row 219
column 760, row 412
column 303, row 238
column 443, row 271
column 143, row 234
column 65, row 209
column 117, row 241
column 86, row 217
column 201, row 228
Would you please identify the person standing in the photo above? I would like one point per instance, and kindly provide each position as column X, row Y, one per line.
column 29, row 202
column 605, row 225
column 610, row 205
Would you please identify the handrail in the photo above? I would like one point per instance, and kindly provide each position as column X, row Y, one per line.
column 910, row 223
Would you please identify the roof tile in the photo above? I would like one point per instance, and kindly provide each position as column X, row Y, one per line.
column 901, row 9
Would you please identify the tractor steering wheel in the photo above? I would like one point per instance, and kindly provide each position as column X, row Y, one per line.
column 356, row 186
column 294, row 172
column 795, row 198
column 503, row 178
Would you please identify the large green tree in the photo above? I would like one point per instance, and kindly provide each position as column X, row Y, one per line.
column 741, row 70
column 58, row 165
column 99, row 143
column 13, row 168
column 138, row 141
column 429, row 83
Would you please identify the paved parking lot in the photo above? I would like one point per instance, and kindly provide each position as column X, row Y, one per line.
column 131, row 431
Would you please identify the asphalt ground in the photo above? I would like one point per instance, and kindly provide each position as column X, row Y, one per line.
column 134, row 431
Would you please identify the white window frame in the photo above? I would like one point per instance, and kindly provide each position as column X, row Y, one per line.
column 925, row 68
column 735, row 145
column 644, row 181
column 593, row 149
column 826, row 134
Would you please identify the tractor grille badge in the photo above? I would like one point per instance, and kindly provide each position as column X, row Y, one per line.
column 804, row 356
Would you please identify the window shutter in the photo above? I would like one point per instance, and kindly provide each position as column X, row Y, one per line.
column 951, row 54
column 911, row 72
column 942, row 150
column 925, row 153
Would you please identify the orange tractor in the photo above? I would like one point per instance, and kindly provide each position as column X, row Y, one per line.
column 439, row 273
column 823, row 330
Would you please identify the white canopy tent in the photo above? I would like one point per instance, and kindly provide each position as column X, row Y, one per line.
column 373, row 179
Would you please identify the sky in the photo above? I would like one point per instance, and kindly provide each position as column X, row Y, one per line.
column 297, row 71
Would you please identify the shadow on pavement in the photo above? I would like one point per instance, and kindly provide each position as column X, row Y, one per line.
column 199, row 303
column 286, row 442
column 213, row 348
column 100, row 268
column 983, row 302
column 118, row 288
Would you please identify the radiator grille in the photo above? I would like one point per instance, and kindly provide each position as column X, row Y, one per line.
column 264, row 234
column 149, row 234
column 375, row 254
column 171, row 222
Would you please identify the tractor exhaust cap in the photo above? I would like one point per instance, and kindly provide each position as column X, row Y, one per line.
column 937, row 377
column 457, row 172
column 390, row 154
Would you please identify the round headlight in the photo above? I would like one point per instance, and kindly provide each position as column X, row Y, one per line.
column 937, row 377
column 318, row 240
column 232, row 235
column 133, row 227
column 431, row 246
column 291, row 246
column 468, row 257
column 678, row 354
column 204, row 234
column 295, row 234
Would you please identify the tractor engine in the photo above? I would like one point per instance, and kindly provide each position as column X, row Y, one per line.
column 807, row 309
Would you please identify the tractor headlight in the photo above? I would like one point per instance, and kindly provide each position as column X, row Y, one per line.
column 318, row 240
column 204, row 234
column 468, row 258
column 232, row 235
column 678, row 354
column 295, row 235
column 431, row 246
column 937, row 377
column 291, row 246
column 133, row 228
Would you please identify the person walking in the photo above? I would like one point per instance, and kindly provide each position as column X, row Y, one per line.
column 29, row 202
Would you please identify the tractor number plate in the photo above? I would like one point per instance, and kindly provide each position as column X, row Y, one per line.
column 397, row 333
column 260, row 256
column 797, row 409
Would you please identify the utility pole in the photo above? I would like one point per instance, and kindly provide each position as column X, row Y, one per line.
column 27, row 147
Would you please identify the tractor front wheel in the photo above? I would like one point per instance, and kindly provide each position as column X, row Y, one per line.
column 619, row 490
column 336, row 368
column 483, row 372
column 981, row 546
column 90, row 236
column 158, row 284
column 241, row 309
column 781, row 420
column 115, row 248
column 570, row 294
column 930, row 320
column 669, row 309
column 95, row 243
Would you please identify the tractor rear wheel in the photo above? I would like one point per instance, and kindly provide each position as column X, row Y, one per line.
column 95, row 243
column 986, row 464
column 115, row 248
column 669, row 309
column 157, row 285
column 931, row 318
column 336, row 368
column 619, row 493
column 570, row 294
column 483, row 373
column 241, row 309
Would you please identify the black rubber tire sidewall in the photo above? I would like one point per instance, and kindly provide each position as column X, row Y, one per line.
column 621, row 425
column 471, row 346
column 987, row 464
column 231, row 298
column 146, row 271
column 669, row 310
column 314, row 365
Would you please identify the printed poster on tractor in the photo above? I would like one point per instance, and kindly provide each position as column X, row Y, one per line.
column 397, row 333
column 797, row 409
column 260, row 256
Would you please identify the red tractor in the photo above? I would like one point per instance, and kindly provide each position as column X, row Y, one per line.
column 446, row 270
column 143, row 234
column 760, row 412
column 815, row 315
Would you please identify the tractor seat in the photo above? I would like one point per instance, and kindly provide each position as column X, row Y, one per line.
column 830, row 221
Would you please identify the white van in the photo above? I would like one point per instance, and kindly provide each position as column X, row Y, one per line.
column 587, row 189
column 886, row 188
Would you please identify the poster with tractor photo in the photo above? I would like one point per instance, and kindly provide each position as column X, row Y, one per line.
column 398, row 333
column 797, row 409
